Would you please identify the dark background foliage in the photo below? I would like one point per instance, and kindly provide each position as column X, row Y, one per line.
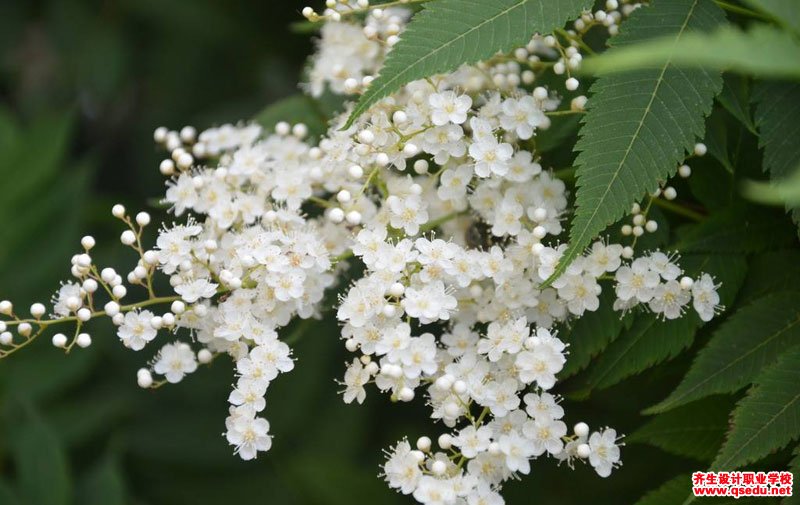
column 82, row 86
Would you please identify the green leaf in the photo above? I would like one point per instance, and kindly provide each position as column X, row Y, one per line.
column 764, row 51
column 650, row 340
column 42, row 470
column 7, row 495
column 794, row 467
column 770, row 272
column 591, row 333
column 777, row 109
column 716, row 138
column 785, row 192
column 750, row 339
column 449, row 33
column 103, row 485
column 768, row 418
column 738, row 229
column 785, row 12
column 735, row 97
column 295, row 109
column 640, row 124
column 671, row 492
column 696, row 430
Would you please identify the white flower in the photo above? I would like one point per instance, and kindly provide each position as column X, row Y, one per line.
column 603, row 258
column 429, row 303
column 67, row 291
column 522, row 116
column 407, row 213
column 136, row 330
column 543, row 361
column 491, row 157
column 431, row 491
column 472, row 441
column 669, row 299
column 604, row 453
column 543, row 406
column 420, row 356
column 546, row 435
column 354, row 379
column 402, row 469
column 447, row 107
column 705, row 298
column 249, row 435
column 249, row 394
column 174, row 361
column 661, row 264
column 454, row 182
column 197, row 289
column 517, row 451
column 636, row 281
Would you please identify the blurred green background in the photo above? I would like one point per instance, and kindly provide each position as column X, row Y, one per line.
column 82, row 86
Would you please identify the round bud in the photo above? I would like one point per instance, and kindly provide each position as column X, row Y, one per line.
column 336, row 215
column 651, row 226
column 355, row 171
column 185, row 160
column 178, row 307
column 118, row 211
column 685, row 171
column 84, row 314
column 160, row 134
column 445, row 382
column 119, row 291
column 37, row 310
column 424, row 444
column 445, row 441
column 108, row 274
column 540, row 93
column 382, row 159
column 421, row 166
column 168, row 319
column 118, row 319
column 439, row 467
column 371, row 368
column 144, row 378
column 626, row 229
column 670, row 193
column 59, row 340
column 308, row 12
column 459, row 387
column 87, row 242
column 354, row 217
column 539, row 232
column 127, row 237
column 419, row 457
column 111, row 308
column 638, row 220
column 6, row 338
column 397, row 289
column 366, row 136
column 638, row 231
column 73, row 303
column 399, row 117
column 687, row 282
column 406, row 395
column 143, row 219
column 700, row 149
column 282, row 128
column 539, row 214
column 343, row 196
column 156, row 322
column 6, row 307
column 84, row 340
column 583, row 451
column 24, row 329
column 582, row 429
column 389, row 310
column 351, row 85
column 410, row 149
column 572, row 84
column 351, row 345
column 188, row 134
column 627, row 252
column 204, row 356
column 90, row 285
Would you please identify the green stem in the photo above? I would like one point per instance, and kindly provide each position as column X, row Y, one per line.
column 678, row 209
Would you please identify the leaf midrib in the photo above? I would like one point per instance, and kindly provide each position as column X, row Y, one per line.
column 389, row 82
column 597, row 207
column 732, row 363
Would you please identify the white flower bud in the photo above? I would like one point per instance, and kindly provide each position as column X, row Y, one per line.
column 204, row 356
column 87, row 242
column 685, row 171
column 424, row 444
column 582, row 429
column 397, row 289
column 144, row 378
column 670, row 193
column 687, row 282
column 118, row 211
column 118, row 319
column 84, row 314
column 143, row 219
column 572, row 84
column 84, row 340
column 445, row 441
column 459, row 387
column 354, row 217
column 700, row 149
column 59, row 340
column 439, row 467
column 127, row 237
column 37, row 310
column 160, row 134
column 119, row 291
column 355, row 171
column 6, row 338
column 651, row 226
column 336, row 215
column 178, row 307
column 24, row 329
column 282, row 128
column 405, row 395
column 351, row 344
column 6, row 307
column 583, row 451
column 167, row 167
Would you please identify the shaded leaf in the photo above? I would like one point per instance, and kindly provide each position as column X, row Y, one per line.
column 768, row 418
column 747, row 341
column 449, row 33
column 641, row 123
column 785, row 12
column 735, row 97
column 671, row 492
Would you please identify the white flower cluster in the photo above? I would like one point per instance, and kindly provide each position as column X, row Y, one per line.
column 439, row 192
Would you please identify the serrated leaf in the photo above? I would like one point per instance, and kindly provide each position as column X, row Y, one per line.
column 764, row 51
column 777, row 109
column 650, row 340
column 770, row 272
column 716, row 138
column 735, row 97
column 750, row 339
column 591, row 333
column 295, row 109
column 768, row 418
column 794, row 467
column 785, row 12
column 671, row 492
column 449, row 33
column 738, row 229
column 696, row 430
column 641, row 123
